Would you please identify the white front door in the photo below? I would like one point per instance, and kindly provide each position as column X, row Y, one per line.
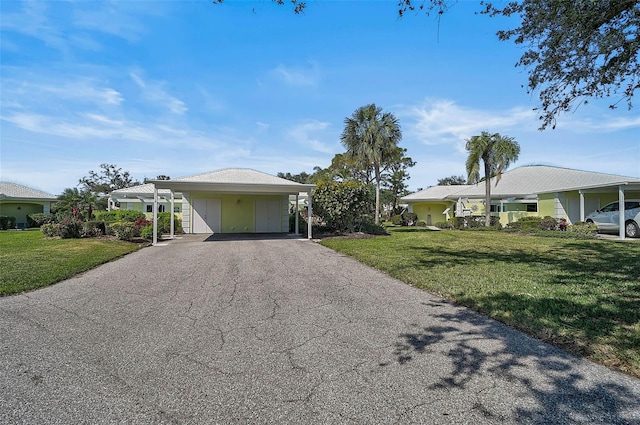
column 206, row 215
column 268, row 216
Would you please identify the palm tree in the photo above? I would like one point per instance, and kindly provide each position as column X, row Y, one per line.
column 79, row 203
column 371, row 138
column 497, row 153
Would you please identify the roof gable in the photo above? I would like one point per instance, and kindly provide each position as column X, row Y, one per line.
column 237, row 176
column 18, row 191
column 143, row 189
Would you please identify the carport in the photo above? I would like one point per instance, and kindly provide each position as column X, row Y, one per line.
column 233, row 200
column 622, row 188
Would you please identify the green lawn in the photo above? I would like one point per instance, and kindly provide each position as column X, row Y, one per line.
column 28, row 260
column 582, row 295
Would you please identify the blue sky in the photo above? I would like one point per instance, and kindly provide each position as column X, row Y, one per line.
column 180, row 88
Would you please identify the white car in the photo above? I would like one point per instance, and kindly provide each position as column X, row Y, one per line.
column 607, row 218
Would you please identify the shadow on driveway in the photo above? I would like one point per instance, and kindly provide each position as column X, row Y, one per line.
column 217, row 237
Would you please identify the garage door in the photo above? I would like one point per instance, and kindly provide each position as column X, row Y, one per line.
column 206, row 215
column 268, row 216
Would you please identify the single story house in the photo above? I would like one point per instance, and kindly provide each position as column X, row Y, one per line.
column 532, row 190
column 140, row 198
column 233, row 200
column 19, row 201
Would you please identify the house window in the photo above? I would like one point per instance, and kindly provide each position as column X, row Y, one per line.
column 494, row 208
column 532, row 207
column 150, row 208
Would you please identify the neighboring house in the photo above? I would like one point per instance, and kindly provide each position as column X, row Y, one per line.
column 140, row 198
column 19, row 201
column 234, row 200
column 534, row 190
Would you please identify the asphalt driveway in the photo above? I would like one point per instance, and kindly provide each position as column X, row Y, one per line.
column 279, row 331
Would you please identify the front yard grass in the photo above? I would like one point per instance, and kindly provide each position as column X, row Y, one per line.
column 581, row 295
column 28, row 260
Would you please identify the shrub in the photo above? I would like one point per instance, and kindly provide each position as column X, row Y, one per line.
column 475, row 222
column 7, row 222
column 164, row 223
column 582, row 228
column 405, row 219
column 142, row 222
column 444, row 225
column 50, row 230
column 526, row 224
column 548, row 223
column 397, row 220
column 124, row 230
column 421, row 223
column 119, row 215
column 38, row 219
column 147, row 232
column 93, row 229
column 343, row 206
column 409, row 218
column 70, row 228
column 369, row 227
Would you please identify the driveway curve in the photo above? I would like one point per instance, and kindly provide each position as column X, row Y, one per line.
column 279, row 331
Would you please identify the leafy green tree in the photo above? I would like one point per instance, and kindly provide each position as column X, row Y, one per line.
column 343, row 168
column 108, row 179
column 575, row 50
column 303, row 177
column 160, row 177
column 395, row 178
column 452, row 181
column 496, row 153
column 79, row 204
column 105, row 181
column 371, row 138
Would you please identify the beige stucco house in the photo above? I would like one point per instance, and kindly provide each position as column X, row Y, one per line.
column 535, row 190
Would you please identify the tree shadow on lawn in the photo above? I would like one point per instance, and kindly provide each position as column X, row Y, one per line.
column 598, row 306
column 546, row 381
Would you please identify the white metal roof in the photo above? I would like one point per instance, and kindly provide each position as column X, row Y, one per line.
column 530, row 180
column 236, row 176
column 18, row 191
column 435, row 193
column 143, row 189
column 234, row 180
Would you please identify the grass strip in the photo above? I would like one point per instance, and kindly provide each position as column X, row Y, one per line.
column 28, row 260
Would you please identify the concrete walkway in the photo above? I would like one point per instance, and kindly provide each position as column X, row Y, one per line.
column 279, row 331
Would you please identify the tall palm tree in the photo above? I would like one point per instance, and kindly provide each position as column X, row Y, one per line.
column 497, row 153
column 371, row 138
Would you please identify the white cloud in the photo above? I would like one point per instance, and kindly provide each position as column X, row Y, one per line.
column 154, row 91
column 306, row 134
column 297, row 76
column 444, row 122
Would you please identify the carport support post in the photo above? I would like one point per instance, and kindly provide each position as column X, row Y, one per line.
column 581, row 192
column 309, row 217
column 172, row 206
column 297, row 213
column 621, row 210
column 155, row 214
